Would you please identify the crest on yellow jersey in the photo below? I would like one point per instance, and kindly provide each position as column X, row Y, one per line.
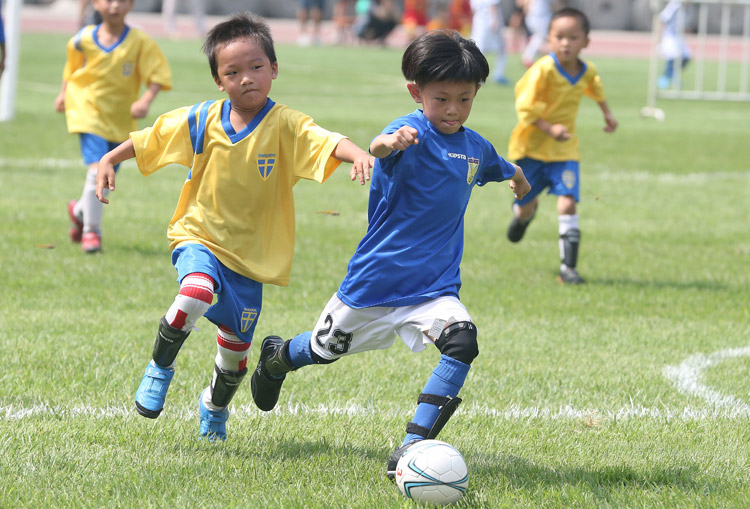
column 127, row 69
column 248, row 319
column 265, row 164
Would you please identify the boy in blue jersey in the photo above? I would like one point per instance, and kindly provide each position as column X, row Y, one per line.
column 106, row 66
column 544, row 142
column 404, row 277
column 233, row 229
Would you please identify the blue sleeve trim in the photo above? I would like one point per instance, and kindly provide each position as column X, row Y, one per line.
column 197, row 125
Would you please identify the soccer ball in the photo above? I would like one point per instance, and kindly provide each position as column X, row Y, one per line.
column 432, row 472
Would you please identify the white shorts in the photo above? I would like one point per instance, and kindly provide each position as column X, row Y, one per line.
column 342, row 330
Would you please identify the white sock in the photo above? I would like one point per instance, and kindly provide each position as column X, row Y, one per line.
column 89, row 206
column 567, row 222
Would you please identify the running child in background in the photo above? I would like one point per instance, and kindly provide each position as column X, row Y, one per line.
column 107, row 64
column 672, row 45
column 233, row 229
column 487, row 32
column 537, row 15
column 544, row 142
column 404, row 278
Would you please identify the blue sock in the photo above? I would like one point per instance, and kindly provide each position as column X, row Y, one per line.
column 299, row 350
column 446, row 380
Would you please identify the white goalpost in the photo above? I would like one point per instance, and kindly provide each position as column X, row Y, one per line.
column 718, row 51
column 12, row 23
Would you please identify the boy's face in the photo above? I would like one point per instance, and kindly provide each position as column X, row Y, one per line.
column 446, row 104
column 566, row 39
column 245, row 73
column 113, row 10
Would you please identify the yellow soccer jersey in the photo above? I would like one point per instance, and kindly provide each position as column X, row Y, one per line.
column 547, row 91
column 102, row 83
column 237, row 199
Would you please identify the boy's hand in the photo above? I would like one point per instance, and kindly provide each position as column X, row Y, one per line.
column 519, row 185
column 361, row 167
column 105, row 179
column 559, row 132
column 611, row 123
column 60, row 103
column 402, row 139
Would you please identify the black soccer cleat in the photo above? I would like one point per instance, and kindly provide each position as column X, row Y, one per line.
column 264, row 386
column 569, row 276
column 517, row 227
column 390, row 471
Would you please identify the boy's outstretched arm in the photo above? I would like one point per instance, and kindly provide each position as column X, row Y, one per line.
column 139, row 109
column 609, row 118
column 105, row 175
column 361, row 161
column 518, row 184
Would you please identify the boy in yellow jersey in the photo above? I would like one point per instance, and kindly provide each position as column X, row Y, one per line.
column 106, row 66
column 233, row 229
column 544, row 142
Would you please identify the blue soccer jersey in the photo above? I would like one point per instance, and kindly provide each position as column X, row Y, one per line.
column 414, row 241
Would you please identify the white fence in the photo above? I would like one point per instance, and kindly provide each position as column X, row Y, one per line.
column 716, row 34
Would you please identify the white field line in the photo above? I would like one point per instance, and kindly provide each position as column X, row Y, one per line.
column 511, row 413
column 688, row 377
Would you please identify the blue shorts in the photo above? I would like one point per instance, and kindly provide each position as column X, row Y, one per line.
column 94, row 147
column 238, row 298
column 560, row 176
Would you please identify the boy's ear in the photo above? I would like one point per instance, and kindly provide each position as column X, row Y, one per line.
column 415, row 91
column 218, row 83
column 274, row 70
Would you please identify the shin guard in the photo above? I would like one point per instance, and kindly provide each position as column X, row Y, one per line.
column 168, row 343
column 569, row 243
column 447, row 406
column 224, row 385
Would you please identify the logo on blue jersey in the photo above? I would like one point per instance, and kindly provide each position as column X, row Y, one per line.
column 127, row 69
column 265, row 164
column 569, row 179
column 473, row 167
column 248, row 319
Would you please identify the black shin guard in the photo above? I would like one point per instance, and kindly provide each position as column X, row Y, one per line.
column 168, row 343
column 447, row 406
column 569, row 243
column 224, row 385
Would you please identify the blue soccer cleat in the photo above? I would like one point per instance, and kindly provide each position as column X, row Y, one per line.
column 213, row 423
column 149, row 398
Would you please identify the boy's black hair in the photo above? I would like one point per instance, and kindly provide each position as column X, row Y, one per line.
column 570, row 12
column 242, row 25
column 443, row 55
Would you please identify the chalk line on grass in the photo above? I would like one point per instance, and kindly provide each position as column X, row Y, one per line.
column 688, row 377
column 510, row 413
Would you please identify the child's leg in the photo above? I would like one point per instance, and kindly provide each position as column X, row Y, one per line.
column 570, row 239
column 193, row 300
column 230, row 369
column 89, row 209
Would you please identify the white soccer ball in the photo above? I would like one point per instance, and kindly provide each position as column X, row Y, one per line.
column 432, row 472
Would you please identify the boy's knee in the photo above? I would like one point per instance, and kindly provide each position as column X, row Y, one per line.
column 459, row 341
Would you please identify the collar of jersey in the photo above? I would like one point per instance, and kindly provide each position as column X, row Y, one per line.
column 96, row 38
column 234, row 137
column 572, row 79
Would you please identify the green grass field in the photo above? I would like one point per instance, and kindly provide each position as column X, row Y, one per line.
column 630, row 391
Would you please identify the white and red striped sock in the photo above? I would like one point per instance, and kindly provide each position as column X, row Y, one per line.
column 194, row 299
